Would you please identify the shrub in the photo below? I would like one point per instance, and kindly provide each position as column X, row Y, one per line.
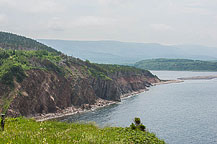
column 132, row 126
column 142, row 127
column 137, row 121
column 138, row 125
column 9, row 71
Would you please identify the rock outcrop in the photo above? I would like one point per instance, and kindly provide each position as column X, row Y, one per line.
column 47, row 92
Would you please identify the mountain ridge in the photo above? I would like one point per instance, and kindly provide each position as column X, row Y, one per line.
column 118, row 52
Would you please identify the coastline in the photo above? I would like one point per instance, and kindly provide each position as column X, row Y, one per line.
column 100, row 103
column 168, row 82
column 199, row 77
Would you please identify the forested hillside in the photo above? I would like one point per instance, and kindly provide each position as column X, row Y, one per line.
column 177, row 64
column 16, row 42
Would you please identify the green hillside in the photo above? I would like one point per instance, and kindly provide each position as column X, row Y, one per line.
column 177, row 65
column 28, row 131
column 16, row 42
column 13, row 63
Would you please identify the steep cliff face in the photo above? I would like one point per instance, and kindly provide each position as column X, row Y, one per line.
column 133, row 81
column 44, row 92
column 47, row 92
column 36, row 79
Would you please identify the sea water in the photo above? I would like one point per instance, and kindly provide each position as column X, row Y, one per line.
column 179, row 113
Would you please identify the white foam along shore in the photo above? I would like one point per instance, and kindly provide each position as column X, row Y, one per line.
column 100, row 103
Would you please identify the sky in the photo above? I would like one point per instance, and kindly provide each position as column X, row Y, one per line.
column 149, row 21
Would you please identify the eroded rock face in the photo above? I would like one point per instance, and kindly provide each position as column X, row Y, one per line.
column 47, row 92
column 106, row 89
column 131, row 81
column 41, row 92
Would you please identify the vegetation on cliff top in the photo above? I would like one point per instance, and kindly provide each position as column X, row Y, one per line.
column 14, row 63
column 177, row 64
column 22, row 130
column 104, row 70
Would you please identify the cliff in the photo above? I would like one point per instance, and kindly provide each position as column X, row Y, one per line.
column 39, row 81
column 48, row 90
column 44, row 92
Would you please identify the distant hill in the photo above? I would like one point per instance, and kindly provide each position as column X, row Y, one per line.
column 117, row 52
column 16, row 42
column 177, row 64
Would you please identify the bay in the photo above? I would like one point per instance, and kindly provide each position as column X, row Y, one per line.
column 179, row 113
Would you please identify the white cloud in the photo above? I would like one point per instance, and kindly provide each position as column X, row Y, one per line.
column 161, row 27
column 106, row 2
column 3, row 19
column 93, row 21
column 197, row 11
column 125, row 20
column 56, row 24
column 32, row 6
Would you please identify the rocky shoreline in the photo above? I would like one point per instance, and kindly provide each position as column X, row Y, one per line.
column 100, row 103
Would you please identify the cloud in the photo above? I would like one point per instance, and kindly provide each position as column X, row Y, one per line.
column 93, row 21
column 125, row 20
column 3, row 19
column 106, row 2
column 200, row 7
column 113, row 2
column 197, row 11
column 56, row 24
column 32, row 6
column 161, row 27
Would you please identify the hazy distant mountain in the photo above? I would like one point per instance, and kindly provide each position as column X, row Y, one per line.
column 127, row 52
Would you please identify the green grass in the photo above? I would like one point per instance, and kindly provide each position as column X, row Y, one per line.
column 28, row 131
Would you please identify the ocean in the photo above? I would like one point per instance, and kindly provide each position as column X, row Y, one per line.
column 179, row 113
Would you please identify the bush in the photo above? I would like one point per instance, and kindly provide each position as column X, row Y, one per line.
column 137, row 121
column 132, row 126
column 9, row 71
column 138, row 125
column 142, row 127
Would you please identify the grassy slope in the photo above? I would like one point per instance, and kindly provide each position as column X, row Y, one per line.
column 177, row 64
column 21, row 130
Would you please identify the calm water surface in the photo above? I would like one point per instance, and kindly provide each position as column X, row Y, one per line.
column 181, row 113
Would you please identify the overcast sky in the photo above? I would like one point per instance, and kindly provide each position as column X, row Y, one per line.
column 155, row 21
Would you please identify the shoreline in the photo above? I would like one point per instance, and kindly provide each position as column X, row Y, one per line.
column 199, row 77
column 168, row 82
column 100, row 103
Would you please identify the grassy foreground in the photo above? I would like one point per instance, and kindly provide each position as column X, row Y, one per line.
column 27, row 131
